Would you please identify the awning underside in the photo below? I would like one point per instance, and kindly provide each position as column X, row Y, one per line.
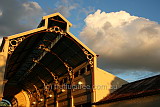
column 22, row 70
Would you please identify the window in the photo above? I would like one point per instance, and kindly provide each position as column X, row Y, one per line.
column 76, row 74
column 61, row 82
column 88, row 67
column 82, row 71
column 65, row 80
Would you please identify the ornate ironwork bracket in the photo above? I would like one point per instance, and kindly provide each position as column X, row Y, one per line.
column 56, row 29
column 55, row 78
column 46, row 87
column 69, row 68
column 38, row 92
column 14, row 43
column 89, row 57
column 30, row 93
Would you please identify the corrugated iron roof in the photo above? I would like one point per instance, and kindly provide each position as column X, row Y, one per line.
column 140, row 88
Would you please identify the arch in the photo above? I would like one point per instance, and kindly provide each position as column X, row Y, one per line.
column 61, row 53
column 22, row 99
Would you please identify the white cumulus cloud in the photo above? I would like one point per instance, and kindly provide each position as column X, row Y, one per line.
column 124, row 42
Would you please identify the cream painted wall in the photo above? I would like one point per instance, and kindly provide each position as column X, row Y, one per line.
column 3, row 59
column 105, row 83
column 149, row 101
column 2, row 69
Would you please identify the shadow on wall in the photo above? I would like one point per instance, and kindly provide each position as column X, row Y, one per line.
column 106, row 83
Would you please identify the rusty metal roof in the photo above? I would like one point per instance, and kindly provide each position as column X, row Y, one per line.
column 140, row 88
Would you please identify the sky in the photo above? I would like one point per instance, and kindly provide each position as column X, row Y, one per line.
column 124, row 33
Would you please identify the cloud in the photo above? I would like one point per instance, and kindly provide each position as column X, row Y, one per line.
column 84, row 12
column 65, row 7
column 124, row 42
column 1, row 12
column 18, row 16
column 87, row 10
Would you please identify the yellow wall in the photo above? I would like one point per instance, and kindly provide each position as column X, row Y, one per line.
column 3, row 59
column 105, row 83
column 2, row 69
column 150, row 101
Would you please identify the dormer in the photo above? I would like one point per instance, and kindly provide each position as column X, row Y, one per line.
column 55, row 19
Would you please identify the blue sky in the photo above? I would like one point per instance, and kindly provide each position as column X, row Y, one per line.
column 143, row 8
column 148, row 9
column 125, row 33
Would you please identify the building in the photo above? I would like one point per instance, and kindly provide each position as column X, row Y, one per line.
column 50, row 67
column 142, row 93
